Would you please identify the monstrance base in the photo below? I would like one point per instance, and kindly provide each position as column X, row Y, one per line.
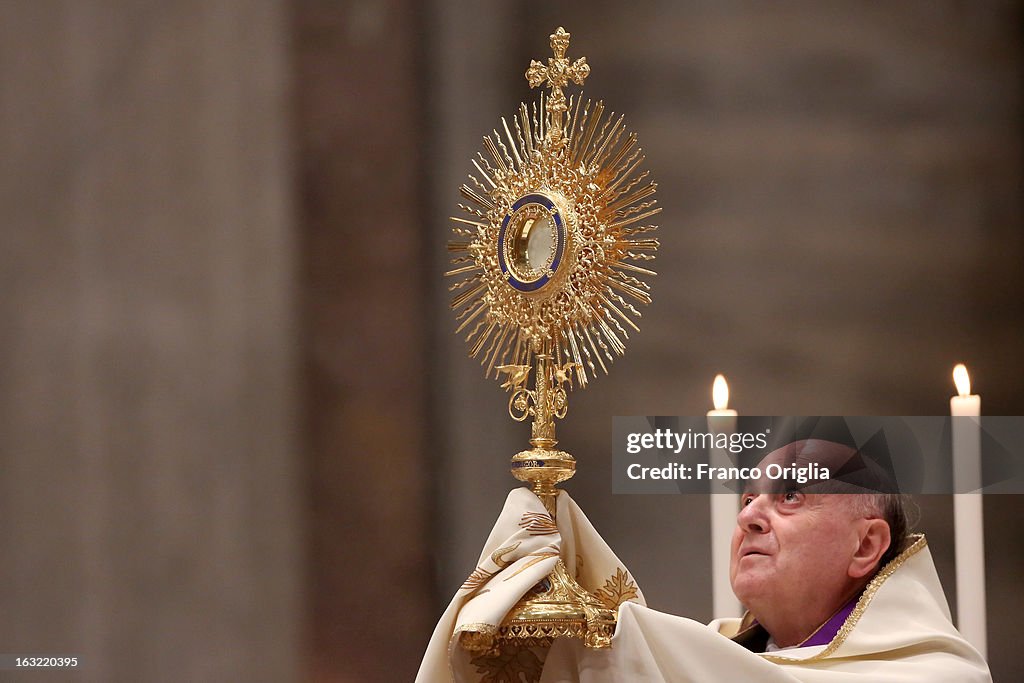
column 557, row 607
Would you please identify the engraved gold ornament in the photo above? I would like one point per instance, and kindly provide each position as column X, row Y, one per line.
column 550, row 258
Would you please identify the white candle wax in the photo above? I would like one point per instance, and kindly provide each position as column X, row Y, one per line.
column 968, row 518
column 724, row 504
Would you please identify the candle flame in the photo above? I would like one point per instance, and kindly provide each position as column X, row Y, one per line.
column 962, row 380
column 720, row 393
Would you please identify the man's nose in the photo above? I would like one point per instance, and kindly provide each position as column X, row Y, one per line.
column 752, row 516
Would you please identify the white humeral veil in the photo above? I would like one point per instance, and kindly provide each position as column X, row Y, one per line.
column 521, row 550
column 900, row 630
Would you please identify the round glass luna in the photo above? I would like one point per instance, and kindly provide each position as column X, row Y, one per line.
column 531, row 243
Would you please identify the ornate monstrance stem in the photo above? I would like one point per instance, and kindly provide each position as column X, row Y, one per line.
column 542, row 466
column 543, row 430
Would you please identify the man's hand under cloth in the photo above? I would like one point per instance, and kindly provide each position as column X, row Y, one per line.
column 520, row 552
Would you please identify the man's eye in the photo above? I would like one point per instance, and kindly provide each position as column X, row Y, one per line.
column 791, row 496
column 747, row 500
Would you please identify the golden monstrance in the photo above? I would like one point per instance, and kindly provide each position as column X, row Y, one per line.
column 549, row 259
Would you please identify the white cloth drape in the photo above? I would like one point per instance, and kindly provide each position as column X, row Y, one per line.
column 521, row 551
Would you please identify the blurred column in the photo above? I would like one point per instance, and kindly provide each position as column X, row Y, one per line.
column 148, row 461
column 360, row 122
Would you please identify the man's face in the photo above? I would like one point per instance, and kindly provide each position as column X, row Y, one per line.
column 791, row 548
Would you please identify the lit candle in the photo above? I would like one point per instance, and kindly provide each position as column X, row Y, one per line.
column 723, row 506
column 968, row 520
column 720, row 398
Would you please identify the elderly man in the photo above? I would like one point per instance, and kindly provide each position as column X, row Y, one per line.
column 836, row 590
column 800, row 560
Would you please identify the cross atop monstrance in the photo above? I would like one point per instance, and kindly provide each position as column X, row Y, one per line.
column 557, row 73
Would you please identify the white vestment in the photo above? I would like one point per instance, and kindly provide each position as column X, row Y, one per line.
column 899, row 630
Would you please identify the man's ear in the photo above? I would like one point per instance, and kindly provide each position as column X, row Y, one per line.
column 874, row 541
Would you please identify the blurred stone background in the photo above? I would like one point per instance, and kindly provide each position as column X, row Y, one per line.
column 239, row 439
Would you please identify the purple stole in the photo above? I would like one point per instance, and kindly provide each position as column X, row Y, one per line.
column 753, row 636
column 827, row 631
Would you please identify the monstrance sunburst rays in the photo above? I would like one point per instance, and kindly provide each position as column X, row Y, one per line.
column 551, row 253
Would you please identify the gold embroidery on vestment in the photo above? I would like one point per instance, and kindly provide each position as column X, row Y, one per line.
column 617, row 589
column 918, row 543
column 538, row 524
